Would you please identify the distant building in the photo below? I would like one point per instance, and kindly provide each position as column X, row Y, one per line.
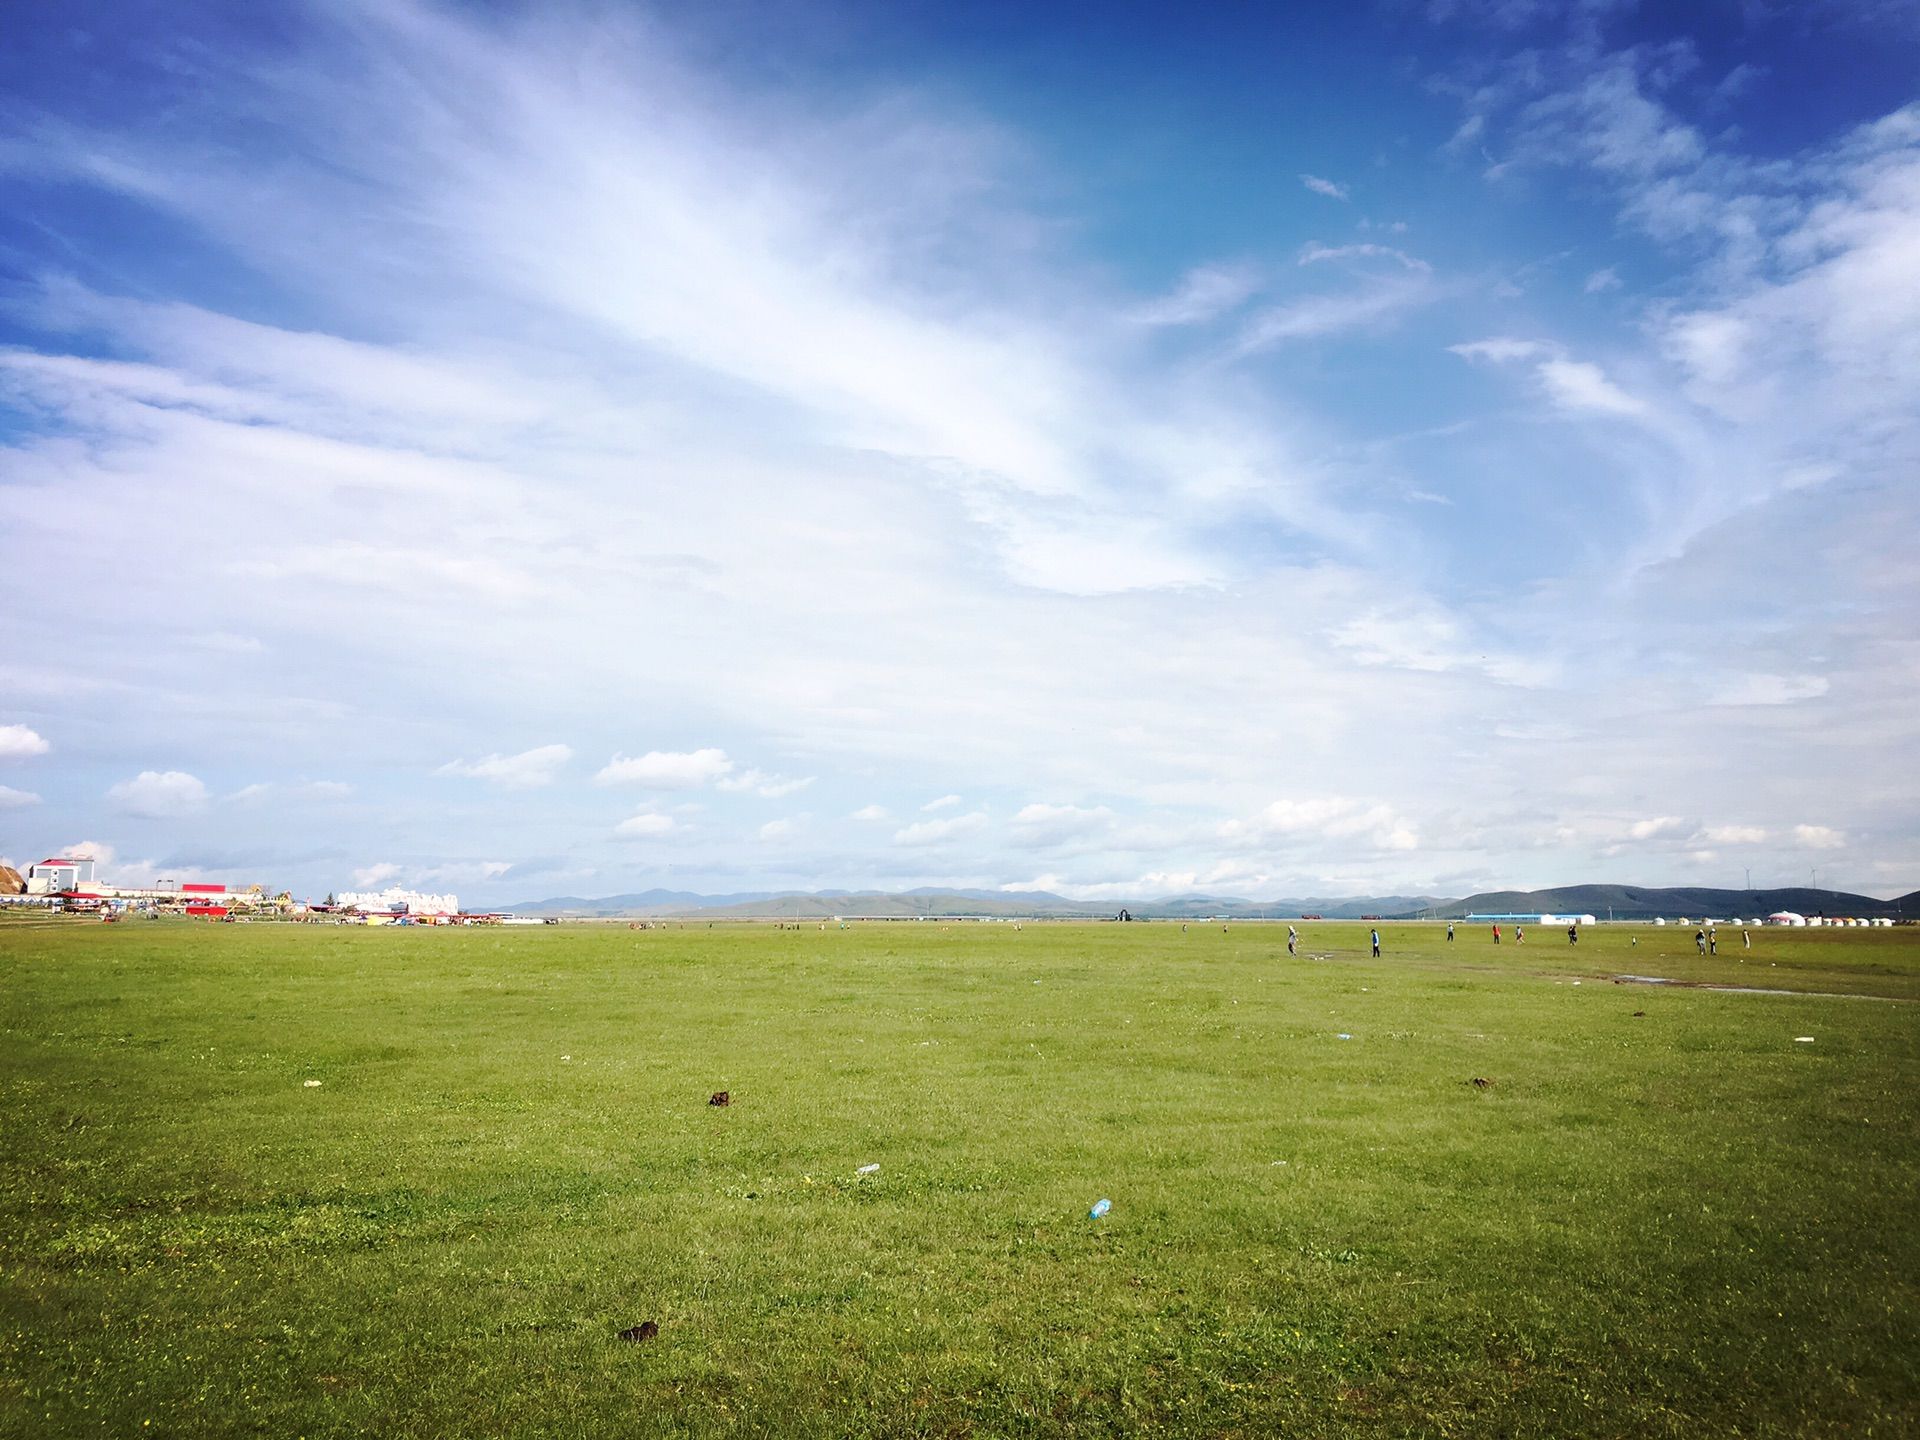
column 71, row 880
column 50, row 877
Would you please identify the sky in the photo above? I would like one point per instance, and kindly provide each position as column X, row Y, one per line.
column 559, row 449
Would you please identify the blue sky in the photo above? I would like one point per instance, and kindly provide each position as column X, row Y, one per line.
column 528, row 450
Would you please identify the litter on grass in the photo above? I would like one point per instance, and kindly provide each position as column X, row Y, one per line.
column 873, row 1169
column 1343, row 1036
column 1100, row 1207
column 312, row 1084
column 1798, row 1040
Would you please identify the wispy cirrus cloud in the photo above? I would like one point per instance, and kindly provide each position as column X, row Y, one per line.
column 939, row 832
column 524, row 771
column 1205, row 293
column 760, row 782
column 1573, row 386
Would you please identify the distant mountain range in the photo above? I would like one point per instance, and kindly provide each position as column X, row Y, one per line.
column 1636, row 902
column 1619, row 902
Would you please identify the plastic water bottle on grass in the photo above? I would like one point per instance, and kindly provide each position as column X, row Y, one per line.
column 1100, row 1207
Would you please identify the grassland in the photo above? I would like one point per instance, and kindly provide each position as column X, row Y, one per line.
column 1664, row 1216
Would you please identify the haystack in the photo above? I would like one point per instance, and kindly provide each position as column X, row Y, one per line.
column 10, row 881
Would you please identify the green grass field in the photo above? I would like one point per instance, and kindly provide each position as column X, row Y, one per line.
column 1678, row 1222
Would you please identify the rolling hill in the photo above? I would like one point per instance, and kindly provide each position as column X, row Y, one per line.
column 1619, row 902
column 933, row 901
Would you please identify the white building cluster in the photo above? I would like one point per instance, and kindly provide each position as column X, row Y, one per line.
column 396, row 901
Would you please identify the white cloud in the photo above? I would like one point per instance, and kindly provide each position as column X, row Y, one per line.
column 759, row 782
column 1573, row 385
column 1606, row 120
column 17, row 742
column 376, row 876
column 870, row 812
column 1601, row 281
column 1328, row 188
column 1577, row 385
column 945, row 802
column 1734, row 835
column 525, row 771
column 12, row 799
column 1661, row 825
column 1500, row 349
column 666, row 769
column 645, row 825
column 1315, row 254
column 937, row 832
column 1819, row 837
column 778, row 830
column 160, row 794
column 1426, row 639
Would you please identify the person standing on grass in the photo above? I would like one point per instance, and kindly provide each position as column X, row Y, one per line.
column 1376, row 944
column 1700, row 941
column 1519, row 934
column 1713, row 942
column 1293, row 940
column 1449, row 932
column 1496, row 934
column 1746, row 940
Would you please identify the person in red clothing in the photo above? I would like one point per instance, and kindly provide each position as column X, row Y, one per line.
column 1496, row 934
